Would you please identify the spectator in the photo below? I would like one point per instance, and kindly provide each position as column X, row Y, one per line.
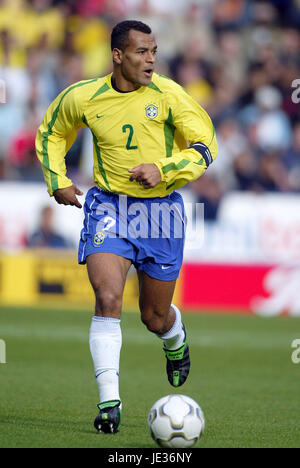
column 192, row 70
column 272, row 175
column 270, row 125
column 208, row 191
column 21, row 152
column 46, row 236
column 230, row 14
column 245, row 167
column 231, row 143
column 291, row 160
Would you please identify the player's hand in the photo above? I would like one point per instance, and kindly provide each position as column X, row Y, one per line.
column 147, row 175
column 67, row 196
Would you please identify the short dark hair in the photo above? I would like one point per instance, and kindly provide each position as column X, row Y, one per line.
column 119, row 35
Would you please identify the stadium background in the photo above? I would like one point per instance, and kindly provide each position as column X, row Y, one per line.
column 241, row 61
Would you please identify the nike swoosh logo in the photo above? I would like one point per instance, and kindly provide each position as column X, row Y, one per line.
column 99, row 116
column 165, row 267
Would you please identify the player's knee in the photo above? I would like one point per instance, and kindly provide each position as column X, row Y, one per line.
column 155, row 322
column 108, row 303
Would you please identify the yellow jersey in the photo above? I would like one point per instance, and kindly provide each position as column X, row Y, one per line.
column 159, row 124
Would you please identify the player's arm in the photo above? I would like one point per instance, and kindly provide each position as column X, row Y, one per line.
column 195, row 125
column 54, row 138
column 67, row 196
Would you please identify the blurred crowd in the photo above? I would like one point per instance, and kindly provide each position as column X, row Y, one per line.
column 239, row 59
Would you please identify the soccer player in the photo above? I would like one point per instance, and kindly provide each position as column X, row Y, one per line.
column 150, row 138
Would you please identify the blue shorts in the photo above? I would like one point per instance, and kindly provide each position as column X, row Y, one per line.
column 148, row 231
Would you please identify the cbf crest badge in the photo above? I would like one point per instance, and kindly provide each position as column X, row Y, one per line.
column 99, row 238
column 151, row 111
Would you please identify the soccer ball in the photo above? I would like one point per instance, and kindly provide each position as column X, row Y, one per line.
column 176, row 421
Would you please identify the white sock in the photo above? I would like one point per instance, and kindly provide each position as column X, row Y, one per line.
column 174, row 338
column 105, row 345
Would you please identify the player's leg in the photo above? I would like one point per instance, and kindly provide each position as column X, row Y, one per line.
column 107, row 256
column 107, row 273
column 155, row 303
column 164, row 319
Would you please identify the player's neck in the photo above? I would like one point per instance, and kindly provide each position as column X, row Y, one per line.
column 120, row 84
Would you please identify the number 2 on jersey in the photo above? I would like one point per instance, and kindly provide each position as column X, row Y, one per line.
column 130, row 128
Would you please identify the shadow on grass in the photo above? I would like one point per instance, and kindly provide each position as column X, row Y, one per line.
column 45, row 423
column 75, row 427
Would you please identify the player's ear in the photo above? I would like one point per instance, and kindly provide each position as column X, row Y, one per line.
column 117, row 56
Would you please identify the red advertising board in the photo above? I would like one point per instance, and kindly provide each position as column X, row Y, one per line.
column 262, row 289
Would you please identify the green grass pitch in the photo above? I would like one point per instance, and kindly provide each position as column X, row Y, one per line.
column 242, row 376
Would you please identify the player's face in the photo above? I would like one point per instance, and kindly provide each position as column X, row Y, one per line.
column 138, row 59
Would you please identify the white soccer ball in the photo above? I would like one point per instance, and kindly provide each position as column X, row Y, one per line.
column 176, row 421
